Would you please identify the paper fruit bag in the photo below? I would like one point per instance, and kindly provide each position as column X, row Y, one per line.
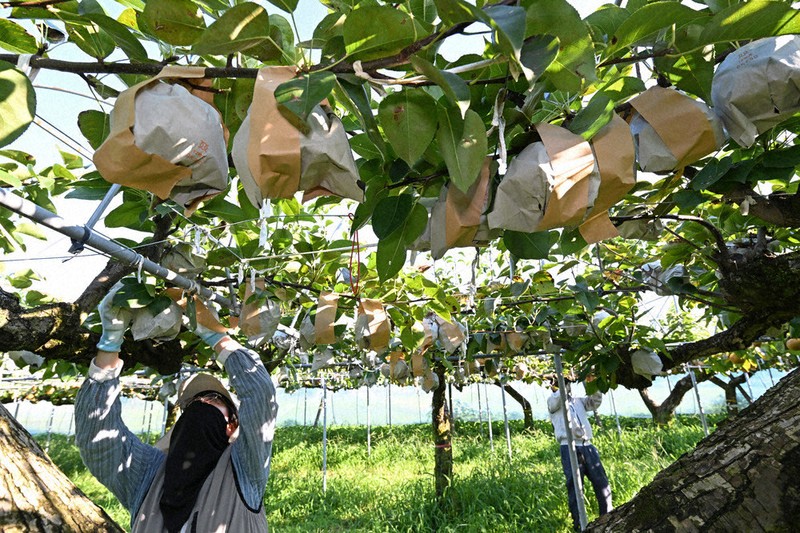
column 616, row 161
column 673, row 130
column 326, row 315
column 259, row 316
column 758, row 86
column 574, row 179
column 456, row 217
column 164, row 325
column 275, row 160
column 372, row 328
column 166, row 141
column 522, row 194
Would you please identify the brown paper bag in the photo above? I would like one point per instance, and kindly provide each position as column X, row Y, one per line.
column 259, row 317
column 574, row 169
column 456, row 217
column 372, row 328
column 673, row 130
column 616, row 161
column 275, row 160
column 451, row 334
column 418, row 363
column 120, row 160
column 203, row 315
column 325, row 317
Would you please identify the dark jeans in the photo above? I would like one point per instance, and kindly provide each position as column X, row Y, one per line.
column 591, row 467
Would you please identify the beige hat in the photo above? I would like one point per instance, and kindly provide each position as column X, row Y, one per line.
column 189, row 388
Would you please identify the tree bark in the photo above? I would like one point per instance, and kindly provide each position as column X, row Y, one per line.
column 34, row 494
column 442, row 437
column 743, row 477
column 527, row 410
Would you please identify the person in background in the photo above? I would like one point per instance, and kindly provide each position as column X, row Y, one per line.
column 210, row 471
column 588, row 457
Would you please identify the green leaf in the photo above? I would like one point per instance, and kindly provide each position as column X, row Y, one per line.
column 604, row 22
column 91, row 40
column 593, row 117
column 391, row 256
column 121, row 35
column 424, row 10
column 712, row 172
column 454, row 88
column 463, row 145
column 32, row 230
column 455, row 11
column 787, row 157
column 280, row 44
column 409, row 122
column 7, row 177
column 752, row 20
column 529, row 245
column 537, row 54
column 508, row 23
column 15, row 39
column 649, row 20
column 378, row 31
column 300, row 95
column 17, row 103
column 358, row 93
column 390, row 213
column 287, row 5
column 690, row 72
column 575, row 61
column 177, row 22
column 239, row 28
column 132, row 294
column 95, row 126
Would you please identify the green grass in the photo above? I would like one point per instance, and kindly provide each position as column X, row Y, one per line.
column 392, row 490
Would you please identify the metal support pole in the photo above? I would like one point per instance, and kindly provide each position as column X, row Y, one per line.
column 389, row 403
column 87, row 237
column 369, row 427
column 324, row 437
column 480, row 414
column 77, row 246
column 505, row 420
column 699, row 405
column 305, row 406
column 450, row 401
column 164, row 418
column 50, row 427
column 489, row 416
column 419, row 406
column 573, row 455
column 616, row 416
column 747, row 380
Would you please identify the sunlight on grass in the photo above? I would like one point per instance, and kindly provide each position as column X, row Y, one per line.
column 392, row 489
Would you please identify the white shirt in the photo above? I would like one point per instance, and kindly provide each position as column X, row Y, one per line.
column 576, row 412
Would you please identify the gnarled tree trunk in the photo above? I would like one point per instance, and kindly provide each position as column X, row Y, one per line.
column 442, row 437
column 662, row 413
column 34, row 494
column 527, row 411
column 742, row 477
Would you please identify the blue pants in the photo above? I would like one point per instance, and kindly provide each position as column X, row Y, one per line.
column 591, row 467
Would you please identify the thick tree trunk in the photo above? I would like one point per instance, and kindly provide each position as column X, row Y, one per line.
column 442, row 437
column 743, row 477
column 34, row 494
column 662, row 413
column 527, row 410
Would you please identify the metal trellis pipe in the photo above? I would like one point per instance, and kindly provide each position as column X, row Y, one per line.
column 88, row 237
column 505, row 419
column 324, row 437
column 573, row 455
column 699, row 405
